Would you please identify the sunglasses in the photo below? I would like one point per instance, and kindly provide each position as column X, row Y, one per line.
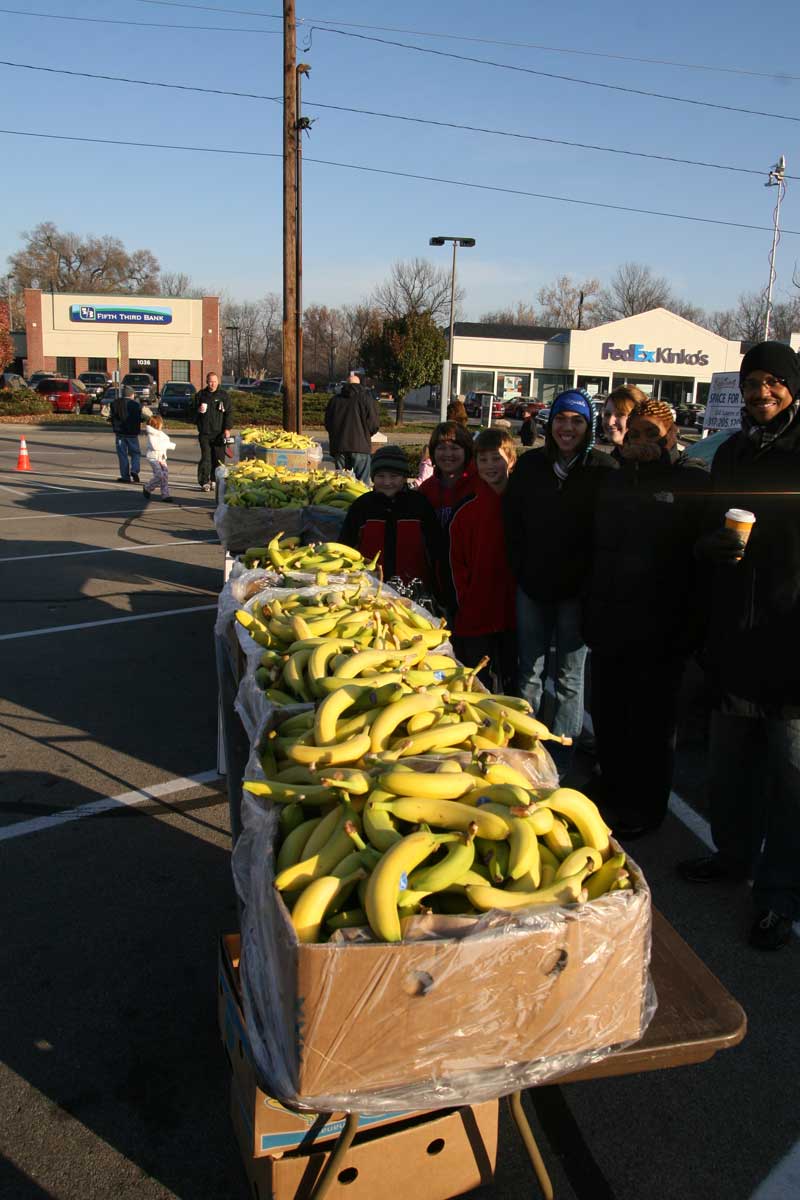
column 771, row 383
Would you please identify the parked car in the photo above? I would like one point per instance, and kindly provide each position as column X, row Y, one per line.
column 8, row 379
column 143, row 385
column 244, row 382
column 38, row 376
column 66, row 395
column 176, row 399
column 690, row 414
column 706, row 448
column 95, row 382
column 274, row 387
column 474, row 401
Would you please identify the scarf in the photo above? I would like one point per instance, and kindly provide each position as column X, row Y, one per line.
column 764, row 436
column 562, row 470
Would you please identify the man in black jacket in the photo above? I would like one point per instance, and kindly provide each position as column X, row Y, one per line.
column 213, row 414
column 351, row 418
column 753, row 649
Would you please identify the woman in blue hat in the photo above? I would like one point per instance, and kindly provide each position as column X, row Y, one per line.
column 548, row 510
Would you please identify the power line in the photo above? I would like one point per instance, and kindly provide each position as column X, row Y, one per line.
column 404, row 117
column 464, row 183
column 488, row 62
column 140, row 24
column 460, row 37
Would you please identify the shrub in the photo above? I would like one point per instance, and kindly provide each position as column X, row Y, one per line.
column 251, row 409
column 23, row 402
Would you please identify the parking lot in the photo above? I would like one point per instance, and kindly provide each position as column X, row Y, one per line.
column 116, row 883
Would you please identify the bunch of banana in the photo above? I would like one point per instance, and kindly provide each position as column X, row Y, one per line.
column 401, row 842
column 336, row 491
column 275, row 439
column 253, row 483
column 286, row 554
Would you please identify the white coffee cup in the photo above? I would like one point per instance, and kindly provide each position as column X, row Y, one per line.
column 203, row 408
column 741, row 521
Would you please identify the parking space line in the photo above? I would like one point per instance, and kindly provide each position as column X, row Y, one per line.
column 103, row 512
column 106, row 804
column 150, row 616
column 112, row 550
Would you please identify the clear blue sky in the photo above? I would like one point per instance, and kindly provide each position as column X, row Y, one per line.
column 219, row 218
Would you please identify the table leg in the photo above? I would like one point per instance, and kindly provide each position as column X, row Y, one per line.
column 534, row 1154
column 342, row 1145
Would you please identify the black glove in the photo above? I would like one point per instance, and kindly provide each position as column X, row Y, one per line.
column 721, row 548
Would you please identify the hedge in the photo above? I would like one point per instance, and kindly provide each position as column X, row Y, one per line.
column 23, row 402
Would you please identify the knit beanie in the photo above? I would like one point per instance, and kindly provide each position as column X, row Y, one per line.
column 390, row 458
column 576, row 400
column 775, row 357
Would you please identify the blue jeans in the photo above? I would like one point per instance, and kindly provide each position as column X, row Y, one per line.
column 128, row 446
column 351, row 461
column 754, row 786
column 538, row 626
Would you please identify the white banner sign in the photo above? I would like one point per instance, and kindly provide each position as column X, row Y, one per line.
column 724, row 404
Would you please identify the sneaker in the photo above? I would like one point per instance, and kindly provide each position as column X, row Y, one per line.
column 167, row 499
column 711, row 868
column 770, row 931
column 136, row 479
column 205, row 487
column 145, row 493
column 122, row 479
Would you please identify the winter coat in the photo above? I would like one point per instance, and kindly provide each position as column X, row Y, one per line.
column 483, row 584
column 641, row 592
column 403, row 530
column 218, row 416
column 549, row 521
column 158, row 444
column 445, row 500
column 753, row 644
column 130, row 425
column 351, row 418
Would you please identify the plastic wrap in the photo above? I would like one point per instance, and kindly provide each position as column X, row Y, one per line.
column 240, row 528
column 242, row 585
column 461, row 1011
column 321, row 523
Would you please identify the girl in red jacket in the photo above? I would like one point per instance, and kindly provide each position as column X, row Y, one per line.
column 484, row 587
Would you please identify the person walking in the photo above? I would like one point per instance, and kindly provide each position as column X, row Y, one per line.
column 351, row 418
column 548, row 511
column 752, row 652
column 213, row 414
column 158, row 444
column 126, row 421
column 642, row 616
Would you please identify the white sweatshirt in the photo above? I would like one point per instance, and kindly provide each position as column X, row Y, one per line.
column 157, row 444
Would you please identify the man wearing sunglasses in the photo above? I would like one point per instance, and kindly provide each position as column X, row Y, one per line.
column 753, row 649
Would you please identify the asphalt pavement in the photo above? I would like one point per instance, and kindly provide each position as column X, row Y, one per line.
column 115, row 884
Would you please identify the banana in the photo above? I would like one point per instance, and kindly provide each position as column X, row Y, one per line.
column 313, row 866
column 448, row 814
column 341, row 753
column 420, row 722
column 500, row 793
column 289, row 793
column 333, row 683
column 294, row 677
column 584, row 815
column 380, row 893
column 324, row 831
column 585, row 856
column 299, row 723
column 348, row 918
column 497, row 862
column 562, row 891
column 541, row 819
column 294, row 774
column 442, row 735
column 294, row 843
column 501, row 772
column 608, row 874
column 355, row 783
column 427, row 785
column 458, row 859
column 319, row 658
column 379, row 825
column 276, row 696
column 522, row 723
column 557, row 839
column 524, row 857
column 290, row 817
column 365, row 660
column 330, row 710
column 313, row 904
column 384, row 726
column 548, row 858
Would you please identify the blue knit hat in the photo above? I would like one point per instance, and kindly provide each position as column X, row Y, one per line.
column 575, row 400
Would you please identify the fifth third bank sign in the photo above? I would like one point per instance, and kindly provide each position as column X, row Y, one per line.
column 95, row 314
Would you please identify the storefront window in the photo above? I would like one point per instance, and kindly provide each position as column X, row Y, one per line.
column 644, row 385
column 180, row 370
column 66, row 367
column 595, row 385
column 97, row 364
column 549, row 384
column 475, row 381
column 511, row 387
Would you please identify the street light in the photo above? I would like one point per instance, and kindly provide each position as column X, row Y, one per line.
column 777, row 176
column 457, row 241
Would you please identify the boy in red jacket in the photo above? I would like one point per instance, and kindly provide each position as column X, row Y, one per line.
column 485, row 589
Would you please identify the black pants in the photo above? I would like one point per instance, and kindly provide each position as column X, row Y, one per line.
column 634, row 711
column 212, row 454
column 500, row 674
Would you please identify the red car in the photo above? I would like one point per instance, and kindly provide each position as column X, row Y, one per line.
column 522, row 408
column 66, row 395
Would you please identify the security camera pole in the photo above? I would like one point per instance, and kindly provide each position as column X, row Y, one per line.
column 290, row 339
column 777, row 176
column 457, row 241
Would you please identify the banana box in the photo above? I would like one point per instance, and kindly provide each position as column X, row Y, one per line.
column 278, row 456
column 264, row 1126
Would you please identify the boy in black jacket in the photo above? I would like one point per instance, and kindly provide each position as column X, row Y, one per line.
column 394, row 522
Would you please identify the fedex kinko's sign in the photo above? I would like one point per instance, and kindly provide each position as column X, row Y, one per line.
column 636, row 352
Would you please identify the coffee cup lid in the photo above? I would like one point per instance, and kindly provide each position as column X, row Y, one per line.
column 741, row 514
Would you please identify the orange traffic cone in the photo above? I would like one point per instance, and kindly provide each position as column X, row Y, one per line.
column 23, row 462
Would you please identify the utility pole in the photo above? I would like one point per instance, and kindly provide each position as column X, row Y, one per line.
column 776, row 179
column 290, row 364
column 301, row 124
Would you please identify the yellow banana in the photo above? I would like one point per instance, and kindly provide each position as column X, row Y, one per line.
column 541, row 819
column 289, row 793
column 608, row 874
column 442, row 735
column 558, row 840
column 330, row 710
column 294, row 843
column 384, row 726
column 585, row 856
column 524, row 857
column 339, row 754
column 448, row 814
column 276, row 696
column 295, row 774
column 313, row 866
column 522, row 723
column 318, row 661
column 458, row 859
column 380, row 893
column 365, row 660
column 561, row 891
column 348, row 918
column 501, row 772
column 420, row 722
column 548, row 858
column 584, row 815
column 379, row 826
column 355, row 783
column 315, row 901
column 293, row 675
column 324, row 831
column 500, row 793
column 427, row 785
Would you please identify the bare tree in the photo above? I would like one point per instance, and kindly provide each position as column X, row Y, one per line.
column 723, row 322
column 633, row 289
column 523, row 314
column 689, row 311
column 358, row 321
column 179, row 285
column 68, row 262
column 416, row 287
column 270, row 309
column 567, row 303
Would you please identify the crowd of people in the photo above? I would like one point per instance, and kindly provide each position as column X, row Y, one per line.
column 628, row 556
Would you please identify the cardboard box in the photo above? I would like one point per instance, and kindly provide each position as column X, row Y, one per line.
column 430, row 1158
column 265, row 1126
column 465, row 1010
column 291, row 460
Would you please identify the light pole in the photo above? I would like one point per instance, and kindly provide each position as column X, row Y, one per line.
column 457, row 241
column 776, row 179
